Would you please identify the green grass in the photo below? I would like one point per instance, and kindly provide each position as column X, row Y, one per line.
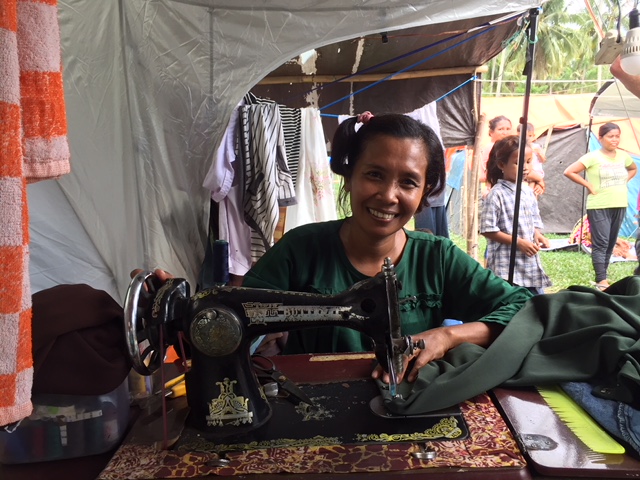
column 565, row 268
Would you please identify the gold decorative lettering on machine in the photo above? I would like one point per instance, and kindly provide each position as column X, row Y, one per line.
column 228, row 408
column 260, row 313
column 157, row 301
column 446, row 428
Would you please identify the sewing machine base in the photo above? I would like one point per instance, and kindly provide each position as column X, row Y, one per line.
column 342, row 415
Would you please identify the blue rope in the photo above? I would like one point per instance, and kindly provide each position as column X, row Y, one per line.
column 407, row 68
column 418, row 50
column 473, row 77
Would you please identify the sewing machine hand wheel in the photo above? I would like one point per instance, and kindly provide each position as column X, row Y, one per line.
column 149, row 308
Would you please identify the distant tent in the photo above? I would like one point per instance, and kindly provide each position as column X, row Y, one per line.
column 562, row 203
column 561, row 123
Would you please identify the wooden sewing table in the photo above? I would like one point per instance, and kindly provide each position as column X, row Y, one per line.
column 524, row 410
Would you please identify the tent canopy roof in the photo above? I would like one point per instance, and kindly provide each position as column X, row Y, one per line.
column 150, row 86
column 437, row 46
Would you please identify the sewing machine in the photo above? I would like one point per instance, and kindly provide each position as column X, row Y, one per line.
column 224, row 395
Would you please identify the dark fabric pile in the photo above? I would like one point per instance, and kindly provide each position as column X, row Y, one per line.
column 578, row 334
column 78, row 341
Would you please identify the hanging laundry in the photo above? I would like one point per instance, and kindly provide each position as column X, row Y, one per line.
column 268, row 183
column 315, row 185
column 225, row 180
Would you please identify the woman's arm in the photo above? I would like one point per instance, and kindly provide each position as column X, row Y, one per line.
column 572, row 172
column 438, row 341
column 474, row 295
column 632, row 169
column 632, row 82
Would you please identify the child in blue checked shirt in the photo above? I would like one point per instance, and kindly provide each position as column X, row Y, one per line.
column 497, row 219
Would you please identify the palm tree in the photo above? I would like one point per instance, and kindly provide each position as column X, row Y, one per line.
column 566, row 46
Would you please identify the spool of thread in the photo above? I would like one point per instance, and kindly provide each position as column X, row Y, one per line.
column 140, row 387
column 220, row 262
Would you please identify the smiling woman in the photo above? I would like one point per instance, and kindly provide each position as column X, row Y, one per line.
column 390, row 165
column 386, row 186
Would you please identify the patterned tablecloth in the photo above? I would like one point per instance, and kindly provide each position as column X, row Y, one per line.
column 490, row 445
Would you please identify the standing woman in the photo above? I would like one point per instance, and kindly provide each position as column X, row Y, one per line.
column 499, row 128
column 608, row 171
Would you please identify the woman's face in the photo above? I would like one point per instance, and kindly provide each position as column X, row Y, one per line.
column 610, row 140
column 502, row 130
column 387, row 184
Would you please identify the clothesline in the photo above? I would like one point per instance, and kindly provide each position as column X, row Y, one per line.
column 473, row 77
column 406, row 68
column 490, row 25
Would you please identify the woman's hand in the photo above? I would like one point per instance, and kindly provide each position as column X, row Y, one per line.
column 437, row 344
column 161, row 274
column 438, row 341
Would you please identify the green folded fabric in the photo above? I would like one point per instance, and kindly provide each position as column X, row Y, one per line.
column 578, row 334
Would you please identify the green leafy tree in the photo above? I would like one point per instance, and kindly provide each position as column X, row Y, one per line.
column 565, row 50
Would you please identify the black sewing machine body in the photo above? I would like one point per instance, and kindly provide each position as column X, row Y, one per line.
column 224, row 395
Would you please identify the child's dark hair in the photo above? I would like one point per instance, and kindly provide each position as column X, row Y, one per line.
column 499, row 156
column 493, row 123
column 606, row 128
column 348, row 145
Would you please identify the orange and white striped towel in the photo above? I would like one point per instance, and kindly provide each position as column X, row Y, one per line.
column 33, row 146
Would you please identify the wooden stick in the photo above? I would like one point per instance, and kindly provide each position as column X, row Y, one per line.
column 472, row 191
column 371, row 77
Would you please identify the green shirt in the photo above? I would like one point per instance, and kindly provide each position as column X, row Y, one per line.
column 438, row 281
column 609, row 177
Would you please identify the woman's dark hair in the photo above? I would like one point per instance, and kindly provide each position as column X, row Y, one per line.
column 499, row 156
column 606, row 128
column 493, row 123
column 348, row 145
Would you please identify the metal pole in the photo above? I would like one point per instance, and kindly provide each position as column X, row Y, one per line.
column 528, row 71
column 584, row 190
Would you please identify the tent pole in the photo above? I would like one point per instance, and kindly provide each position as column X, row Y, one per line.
column 583, row 205
column 528, row 71
column 471, row 213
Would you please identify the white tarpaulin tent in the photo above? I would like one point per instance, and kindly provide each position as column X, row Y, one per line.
column 615, row 101
column 149, row 87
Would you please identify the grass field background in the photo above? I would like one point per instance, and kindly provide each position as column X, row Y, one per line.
column 566, row 268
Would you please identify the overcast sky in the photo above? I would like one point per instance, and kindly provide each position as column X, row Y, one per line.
column 574, row 5
column 578, row 5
